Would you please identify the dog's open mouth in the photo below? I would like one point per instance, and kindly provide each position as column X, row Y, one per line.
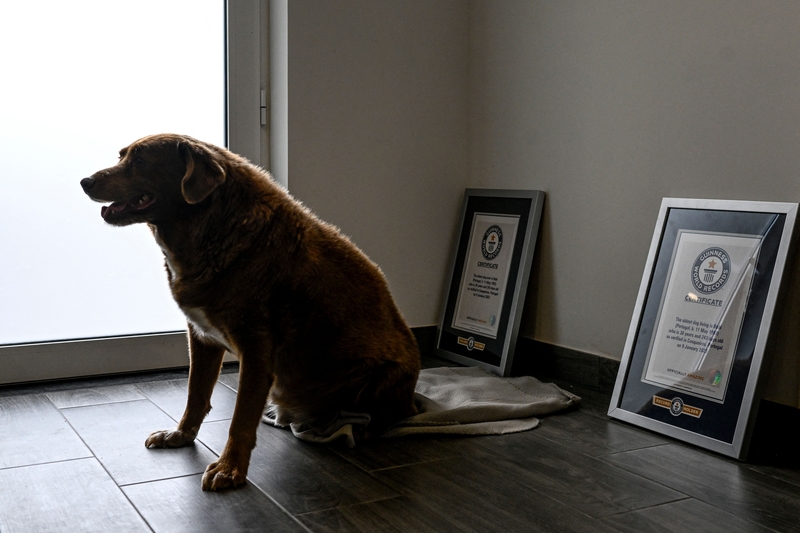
column 118, row 209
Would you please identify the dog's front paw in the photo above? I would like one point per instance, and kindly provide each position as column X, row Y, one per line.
column 223, row 475
column 174, row 438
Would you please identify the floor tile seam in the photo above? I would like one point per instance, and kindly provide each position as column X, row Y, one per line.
column 759, row 479
column 156, row 479
column 577, row 450
column 703, row 497
column 94, row 454
column 561, row 443
column 603, row 459
column 599, row 460
column 737, row 504
column 742, row 517
column 754, row 468
column 421, row 498
column 654, row 506
column 76, row 433
column 426, row 502
column 137, row 483
column 351, row 505
column 605, row 418
column 28, row 465
column 229, row 419
column 601, row 416
column 350, row 461
column 140, row 387
column 633, row 450
column 343, row 462
column 745, row 517
column 133, row 505
column 566, row 504
column 207, row 445
column 762, row 478
column 407, row 465
column 278, row 504
column 368, row 470
column 102, row 466
column 228, row 386
column 152, row 401
column 146, row 399
column 101, row 403
column 483, row 453
column 250, row 481
column 640, row 430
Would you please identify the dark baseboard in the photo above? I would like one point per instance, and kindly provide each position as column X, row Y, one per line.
column 772, row 442
column 550, row 362
column 544, row 361
column 426, row 339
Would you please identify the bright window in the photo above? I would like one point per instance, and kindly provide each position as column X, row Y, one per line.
column 80, row 80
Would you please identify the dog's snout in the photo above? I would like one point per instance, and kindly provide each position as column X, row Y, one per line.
column 87, row 184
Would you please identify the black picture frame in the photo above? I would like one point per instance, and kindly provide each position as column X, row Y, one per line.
column 691, row 366
column 489, row 277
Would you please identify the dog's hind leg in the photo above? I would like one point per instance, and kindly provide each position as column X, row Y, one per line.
column 255, row 381
column 389, row 396
column 205, row 361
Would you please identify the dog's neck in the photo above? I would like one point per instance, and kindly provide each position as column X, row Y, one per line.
column 171, row 260
column 206, row 228
column 174, row 244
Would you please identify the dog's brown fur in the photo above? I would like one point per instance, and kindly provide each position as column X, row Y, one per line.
column 308, row 315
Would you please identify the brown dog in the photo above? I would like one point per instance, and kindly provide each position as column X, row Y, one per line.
column 308, row 315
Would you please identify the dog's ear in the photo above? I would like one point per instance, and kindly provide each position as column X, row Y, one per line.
column 203, row 173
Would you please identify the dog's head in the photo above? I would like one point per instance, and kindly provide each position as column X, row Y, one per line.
column 155, row 175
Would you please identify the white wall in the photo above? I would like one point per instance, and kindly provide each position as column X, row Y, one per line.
column 610, row 106
column 378, row 132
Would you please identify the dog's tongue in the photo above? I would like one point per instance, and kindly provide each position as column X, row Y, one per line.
column 114, row 208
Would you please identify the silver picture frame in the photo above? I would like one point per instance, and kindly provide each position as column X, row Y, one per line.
column 488, row 280
column 692, row 379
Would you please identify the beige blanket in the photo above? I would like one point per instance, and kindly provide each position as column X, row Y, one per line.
column 456, row 401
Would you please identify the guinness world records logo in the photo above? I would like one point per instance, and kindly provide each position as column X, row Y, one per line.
column 492, row 242
column 676, row 407
column 711, row 270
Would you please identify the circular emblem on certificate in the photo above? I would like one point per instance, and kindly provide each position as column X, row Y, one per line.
column 492, row 242
column 711, row 270
column 676, row 407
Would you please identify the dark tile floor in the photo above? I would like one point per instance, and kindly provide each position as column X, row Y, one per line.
column 72, row 458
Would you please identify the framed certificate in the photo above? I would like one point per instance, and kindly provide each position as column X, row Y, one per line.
column 489, row 277
column 692, row 361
